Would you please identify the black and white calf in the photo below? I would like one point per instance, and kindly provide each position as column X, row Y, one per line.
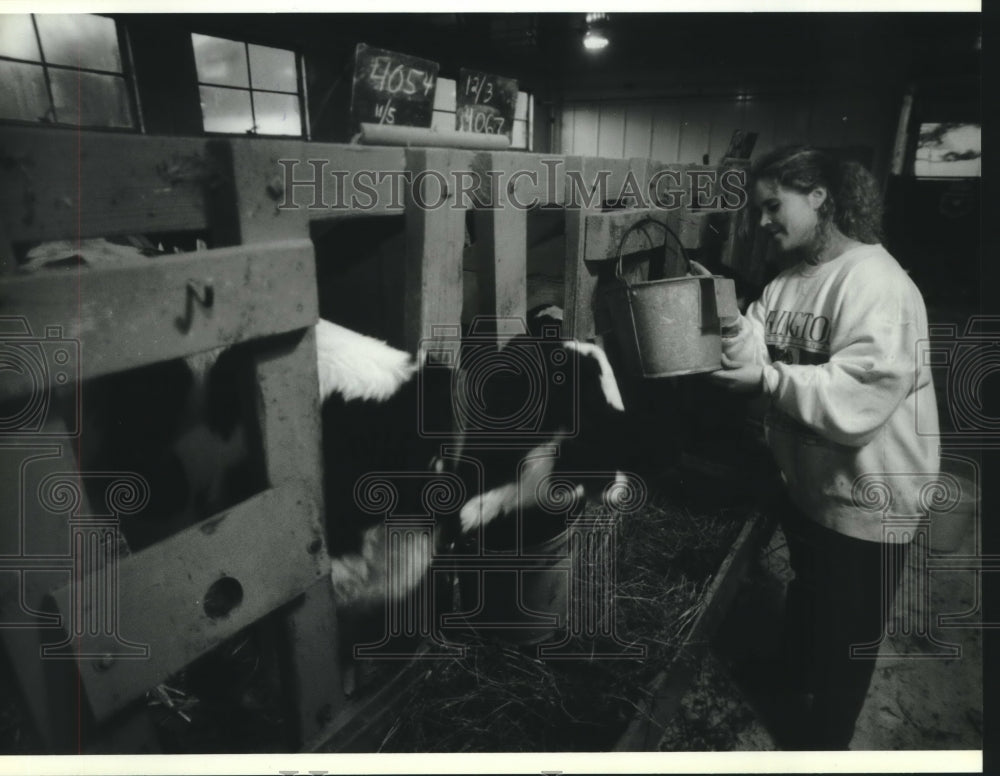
column 548, row 409
column 518, row 414
column 373, row 397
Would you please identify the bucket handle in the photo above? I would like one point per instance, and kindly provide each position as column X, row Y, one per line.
column 638, row 224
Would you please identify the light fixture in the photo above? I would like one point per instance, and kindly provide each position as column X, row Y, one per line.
column 596, row 36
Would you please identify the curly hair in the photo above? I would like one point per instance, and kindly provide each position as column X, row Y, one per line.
column 853, row 201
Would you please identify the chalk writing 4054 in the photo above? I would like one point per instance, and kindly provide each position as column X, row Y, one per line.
column 399, row 79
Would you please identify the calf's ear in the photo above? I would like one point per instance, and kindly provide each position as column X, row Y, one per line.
column 598, row 385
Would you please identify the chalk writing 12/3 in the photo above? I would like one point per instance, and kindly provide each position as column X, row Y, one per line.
column 475, row 84
column 477, row 121
column 399, row 79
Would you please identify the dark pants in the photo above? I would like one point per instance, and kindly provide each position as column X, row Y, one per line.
column 840, row 597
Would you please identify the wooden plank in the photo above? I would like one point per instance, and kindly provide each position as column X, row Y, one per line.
column 638, row 131
column 279, row 184
column 604, row 232
column 585, row 121
column 32, row 536
column 435, row 239
column 611, row 131
column 537, row 178
column 290, row 429
column 695, row 124
column 567, row 126
column 59, row 183
column 289, row 415
column 362, row 720
column 667, row 690
column 166, row 598
column 581, row 279
column 501, row 247
column 666, row 130
column 124, row 317
column 309, row 638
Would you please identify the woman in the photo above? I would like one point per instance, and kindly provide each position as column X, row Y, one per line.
column 832, row 345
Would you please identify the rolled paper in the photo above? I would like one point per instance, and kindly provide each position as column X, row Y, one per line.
column 390, row 134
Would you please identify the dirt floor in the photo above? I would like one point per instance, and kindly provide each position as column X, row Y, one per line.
column 926, row 692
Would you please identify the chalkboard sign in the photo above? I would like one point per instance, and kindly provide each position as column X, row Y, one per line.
column 485, row 103
column 392, row 88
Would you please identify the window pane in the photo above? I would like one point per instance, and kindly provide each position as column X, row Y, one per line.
column 949, row 150
column 277, row 114
column 23, row 95
column 521, row 109
column 220, row 61
column 442, row 120
column 272, row 68
column 519, row 137
column 444, row 95
column 225, row 110
column 89, row 99
column 17, row 37
column 79, row 40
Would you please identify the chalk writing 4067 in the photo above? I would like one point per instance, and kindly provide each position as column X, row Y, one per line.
column 473, row 120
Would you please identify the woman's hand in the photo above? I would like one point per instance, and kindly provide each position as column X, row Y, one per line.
column 739, row 378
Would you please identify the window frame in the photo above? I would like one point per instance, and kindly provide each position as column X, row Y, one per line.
column 300, row 88
column 528, row 121
column 127, row 74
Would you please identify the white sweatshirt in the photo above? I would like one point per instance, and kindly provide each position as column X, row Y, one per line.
column 839, row 342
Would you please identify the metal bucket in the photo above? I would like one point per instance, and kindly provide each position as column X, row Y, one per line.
column 524, row 599
column 671, row 327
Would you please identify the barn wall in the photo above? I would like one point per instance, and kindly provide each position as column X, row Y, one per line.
column 687, row 129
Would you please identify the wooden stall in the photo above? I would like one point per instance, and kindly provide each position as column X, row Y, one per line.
column 89, row 633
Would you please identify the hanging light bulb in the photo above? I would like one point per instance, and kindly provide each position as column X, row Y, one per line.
column 596, row 36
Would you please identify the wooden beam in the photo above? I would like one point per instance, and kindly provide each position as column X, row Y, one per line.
column 60, row 184
column 175, row 596
column 118, row 318
column 667, row 690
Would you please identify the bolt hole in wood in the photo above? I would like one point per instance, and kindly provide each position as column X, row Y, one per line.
column 223, row 596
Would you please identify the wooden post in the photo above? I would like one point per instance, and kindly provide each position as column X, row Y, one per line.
column 581, row 279
column 502, row 251
column 290, row 426
column 435, row 238
column 34, row 557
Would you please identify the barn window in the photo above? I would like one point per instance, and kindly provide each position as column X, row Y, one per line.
column 246, row 88
column 63, row 69
column 445, row 107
